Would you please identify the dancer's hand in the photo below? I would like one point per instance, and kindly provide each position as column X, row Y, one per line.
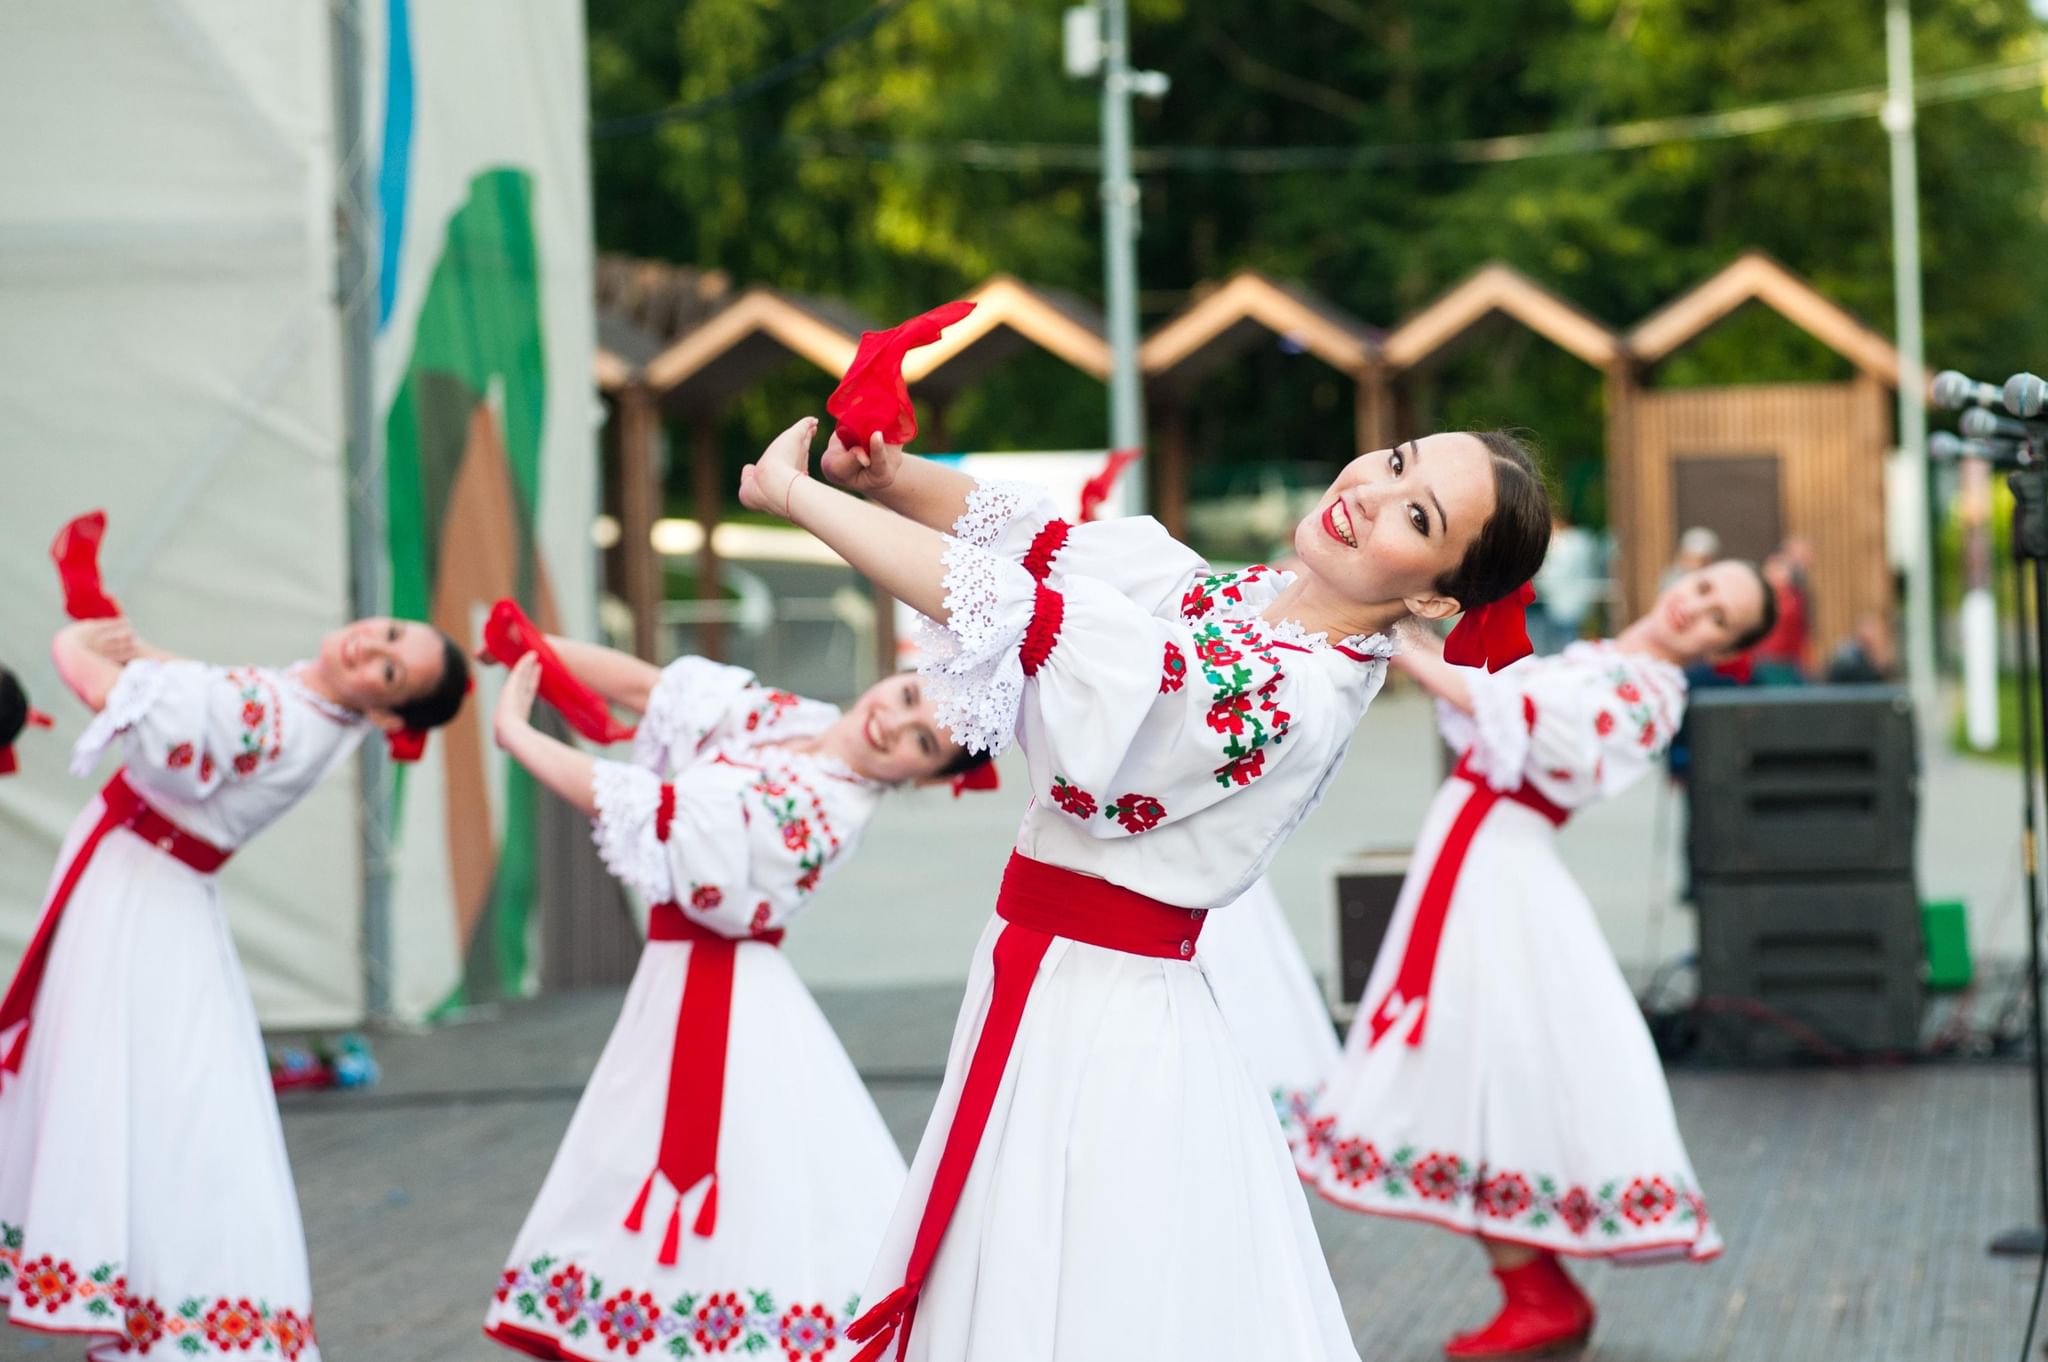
column 113, row 639
column 867, row 470
column 766, row 484
column 515, row 701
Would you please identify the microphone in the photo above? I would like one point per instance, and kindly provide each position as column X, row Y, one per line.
column 1999, row 453
column 1954, row 390
column 2025, row 395
column 1983, row 424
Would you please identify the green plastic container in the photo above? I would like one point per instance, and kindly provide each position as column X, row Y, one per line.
column 1946, row 931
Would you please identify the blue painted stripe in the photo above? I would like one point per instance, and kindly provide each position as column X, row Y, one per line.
column 397, row 158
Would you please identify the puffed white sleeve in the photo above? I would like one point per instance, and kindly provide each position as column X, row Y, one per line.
column 692, row 695
column 1134, row 554
column 1576, row 730
column 184, row 728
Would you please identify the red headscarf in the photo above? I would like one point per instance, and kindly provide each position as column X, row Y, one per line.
column 873, row 397
column 1492, row 636
column 509, row 635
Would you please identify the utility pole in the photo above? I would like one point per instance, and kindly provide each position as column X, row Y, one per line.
column 1097, row 41
column 1899, row 116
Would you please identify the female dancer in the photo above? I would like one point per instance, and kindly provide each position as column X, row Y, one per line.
column 1101, row 1178
column 726, row 1177
column 145, row 1197
column 1499, row 1080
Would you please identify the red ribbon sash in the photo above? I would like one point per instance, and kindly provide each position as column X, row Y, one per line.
column 1038, row 902
column 688, row 1152
column 124, row 808
column 1418, row 959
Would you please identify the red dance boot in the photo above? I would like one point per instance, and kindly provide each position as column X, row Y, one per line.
column 1544, row 1311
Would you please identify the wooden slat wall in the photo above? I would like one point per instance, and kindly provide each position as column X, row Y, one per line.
column 1830, row 439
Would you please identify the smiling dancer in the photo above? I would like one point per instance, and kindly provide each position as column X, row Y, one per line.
column 1499, row 1080
column 726, row 1177
column 1101, row 1178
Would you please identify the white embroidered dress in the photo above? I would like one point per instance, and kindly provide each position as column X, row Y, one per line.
column 1531, row 1108
column 806, row 1170
column 145, row 1195
column 1268, row 996
column 1131, row 1196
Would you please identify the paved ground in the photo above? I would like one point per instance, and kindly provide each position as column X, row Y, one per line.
column 1855, row 1204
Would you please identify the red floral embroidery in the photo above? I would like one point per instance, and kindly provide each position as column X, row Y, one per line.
column 1315, row 1137
column 506, row 1280
column 1577, row 1210
column 664, row 812
column 567, row 1290
column 762, row 912
column 721, row 1320
column 1506, row 1196
column 206, row 768
column 1228, row 714
column 1173, row 672
column 796, row 834
column 1603, row 723
column 1629, row 693
column 233, row 1325
column 808, row 881
column 1558, row 773
column 705, row 897
column 1196, row 602
column 1648, row 737
column 1647, row 1202
column 252, row 714
column 1529, row 713
column 1073, row 798
column 1356, row 1161
column 1436, row 1177
column 48, row 1282
column 807, row 1335
column 1243, row 770
column 627, row 1321
column 1136, row 812
column 142, row 1322
column 180, row 757
column 245, row 762
column 292, row 1334
column 1216, row 652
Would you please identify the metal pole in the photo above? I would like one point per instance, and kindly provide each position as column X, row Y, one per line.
column 1898, row 120
column 356, row 304
column 1120, row 235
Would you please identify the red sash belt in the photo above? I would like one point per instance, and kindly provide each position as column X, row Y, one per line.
column 1418, row 961
column 123, row 808
column 1039, row 902
column 688, row 1153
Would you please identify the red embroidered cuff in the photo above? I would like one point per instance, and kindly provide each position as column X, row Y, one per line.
column 1045, row 546
column 665, row 812
column 1047, row 613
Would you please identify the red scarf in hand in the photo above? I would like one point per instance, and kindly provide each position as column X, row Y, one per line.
column 76, row 551
column 509, row 635
column 873, row 396
column 1096, row 490
column 1492, row 636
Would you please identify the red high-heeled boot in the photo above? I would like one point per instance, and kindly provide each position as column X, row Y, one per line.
column 1544, row 1310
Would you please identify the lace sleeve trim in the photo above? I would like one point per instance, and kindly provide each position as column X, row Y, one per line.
column 970, row 665
column 135, row 693
column 628, row 798
column 991, row 507
column 662, row 725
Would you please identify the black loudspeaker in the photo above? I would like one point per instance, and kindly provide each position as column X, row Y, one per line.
column 1365, row 888
column 1838, row 956
column 1808, row 780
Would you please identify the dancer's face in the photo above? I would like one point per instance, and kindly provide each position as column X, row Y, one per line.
column 1396, row 520
column 376, row 665
column 1700, row 615
column 892, row 733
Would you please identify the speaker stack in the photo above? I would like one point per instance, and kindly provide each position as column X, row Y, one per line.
column 1803, row 807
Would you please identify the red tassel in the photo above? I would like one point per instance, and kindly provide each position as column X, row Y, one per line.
column 888, row 1322
column 636, row 1216
column 673, row 1240
column 707, row 1214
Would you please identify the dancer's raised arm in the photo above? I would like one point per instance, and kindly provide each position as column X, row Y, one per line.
column 929, row 493
column 619, row 677
column 1422, row 658
column 567, row 771
column 904, row 558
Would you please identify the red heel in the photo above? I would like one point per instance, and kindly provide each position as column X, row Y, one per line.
column 1544, row 1311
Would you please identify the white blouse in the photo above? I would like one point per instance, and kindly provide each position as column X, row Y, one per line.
column 715, row 813
column 221, row 751
column 1580, row 726
column 1174, row 737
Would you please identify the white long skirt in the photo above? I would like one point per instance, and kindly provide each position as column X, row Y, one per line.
column 1131, row 1200
column 807, row 1174
column 1534, row 1111
column 145, row 1196
column 1270, row 1000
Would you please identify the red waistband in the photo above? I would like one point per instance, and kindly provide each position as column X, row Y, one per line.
column 127, row 809
column 1062, row 902
column 668, row 922
column 1528, row 796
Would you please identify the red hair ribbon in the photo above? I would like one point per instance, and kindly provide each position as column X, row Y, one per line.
column 982, row 777
column 36, row 719
column 873, row 396
column 1096, row 490
column 1492, row 636
column 410, row 744
column 509, row 635
column 76, row 552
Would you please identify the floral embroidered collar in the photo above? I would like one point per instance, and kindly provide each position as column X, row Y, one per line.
column 1360, row 647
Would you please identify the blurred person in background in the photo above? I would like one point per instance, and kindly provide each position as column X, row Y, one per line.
column 1697, row 547
column 1570, row 581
